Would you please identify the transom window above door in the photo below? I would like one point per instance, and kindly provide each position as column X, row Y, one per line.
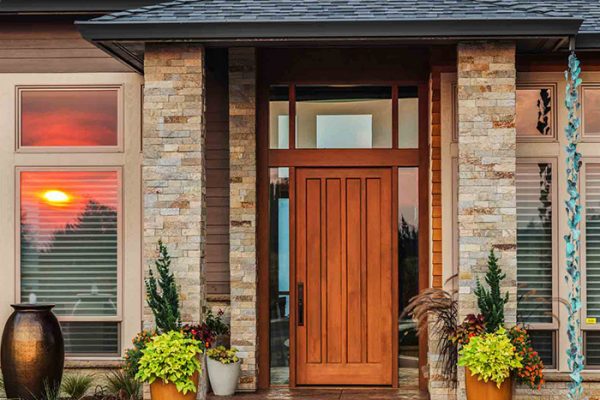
column 343, row 117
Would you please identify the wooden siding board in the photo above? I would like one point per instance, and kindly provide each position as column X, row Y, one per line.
column 50, row 47
column 217, row 173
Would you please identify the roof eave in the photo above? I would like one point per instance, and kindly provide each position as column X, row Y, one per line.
column 588, row 41
column 242, row 30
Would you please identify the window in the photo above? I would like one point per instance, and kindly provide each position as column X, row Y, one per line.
column 344, row 117
column 67, row 117
column 591, row 112
column 535, row 112
column 592, row 241
column 69, row 252
column 279, row 109
column 535, row 253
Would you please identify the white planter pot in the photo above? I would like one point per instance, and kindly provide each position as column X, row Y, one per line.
column 223, row 377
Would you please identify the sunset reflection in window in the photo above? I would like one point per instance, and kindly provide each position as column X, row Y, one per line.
column 69, row 117
column 69, row 240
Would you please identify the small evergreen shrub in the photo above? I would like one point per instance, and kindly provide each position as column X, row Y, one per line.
column 162, row 294
column 490, row 301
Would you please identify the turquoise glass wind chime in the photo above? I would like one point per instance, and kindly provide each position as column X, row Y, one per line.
column 572, row 239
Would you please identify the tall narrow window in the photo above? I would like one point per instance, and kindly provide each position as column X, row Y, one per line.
column 592, row 261
column 408, row 117
column 279, row 119
column 69, row 117
column 279, row 273
column 535, row 254
column 69, row 238
column 591, row 112
column 408, row 267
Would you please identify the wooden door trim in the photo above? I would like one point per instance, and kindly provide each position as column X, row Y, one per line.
column 392, row 158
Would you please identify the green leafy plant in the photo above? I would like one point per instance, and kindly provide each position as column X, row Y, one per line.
column 133, row 355
column 223, row 355
column 215, row 323
column 50, row 391
column 76, row 386
column 490, row 356
column 119, row 383
column 532, row 371
column 171, row 357
column 491, row 302
column 164, row 303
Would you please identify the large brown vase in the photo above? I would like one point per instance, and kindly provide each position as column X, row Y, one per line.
column 32, row 351
column 480, row 390
column 168, row 391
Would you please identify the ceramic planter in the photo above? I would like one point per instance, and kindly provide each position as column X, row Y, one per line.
column 168, row 391
column 32, row 351
column 477, row 390
column 223, row 377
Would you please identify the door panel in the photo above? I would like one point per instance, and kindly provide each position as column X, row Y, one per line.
column 344, row 264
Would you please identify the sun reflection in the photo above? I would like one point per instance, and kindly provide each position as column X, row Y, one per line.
column 56, row 197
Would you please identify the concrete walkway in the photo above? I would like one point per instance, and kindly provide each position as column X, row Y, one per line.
column 329, row 394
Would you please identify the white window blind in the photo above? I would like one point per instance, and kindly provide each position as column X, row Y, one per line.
column 69, row 250
column 592, row 239
column 534, row 242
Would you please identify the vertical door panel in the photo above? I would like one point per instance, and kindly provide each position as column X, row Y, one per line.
column 343, row 259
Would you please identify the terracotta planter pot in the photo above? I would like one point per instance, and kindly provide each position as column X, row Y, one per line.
column 168, row 391
column 32, row 351
column 480, row 390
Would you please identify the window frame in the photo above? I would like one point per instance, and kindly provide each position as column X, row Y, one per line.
column 553, row 137
column 18, row 170
column 118, row 148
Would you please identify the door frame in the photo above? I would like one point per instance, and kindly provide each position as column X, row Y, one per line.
column 274, row 67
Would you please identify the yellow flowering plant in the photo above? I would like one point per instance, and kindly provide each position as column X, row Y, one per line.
column 223, row 355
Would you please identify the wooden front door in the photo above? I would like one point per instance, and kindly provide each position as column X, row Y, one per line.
column 344, row 276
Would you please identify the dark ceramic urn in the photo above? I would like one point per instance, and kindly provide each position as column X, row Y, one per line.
column 33, row 354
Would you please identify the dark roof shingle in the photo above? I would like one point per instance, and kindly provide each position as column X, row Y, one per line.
column 198, row 11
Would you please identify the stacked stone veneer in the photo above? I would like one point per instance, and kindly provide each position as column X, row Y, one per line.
column 242, row 229
column 173, row 167
column 486, row 168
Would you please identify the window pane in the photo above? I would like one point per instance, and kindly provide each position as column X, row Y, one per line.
column 69, row 241
column 592, row 348
column 279, row 109
column 591, row 111
column 543, row 343
column 91, row 338
column 534, row 112
column 592, row 239
column 279, row 272
column 408, row 270
column 69, row 117
column 408, row 118
column 534, row 242
column 343, row 117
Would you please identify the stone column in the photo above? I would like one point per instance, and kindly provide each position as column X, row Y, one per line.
column 173, row 167
column 486, row 168
column 242, row 228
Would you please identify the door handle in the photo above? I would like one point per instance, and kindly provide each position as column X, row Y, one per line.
column 300, row 316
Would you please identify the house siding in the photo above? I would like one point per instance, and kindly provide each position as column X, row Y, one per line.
column 31, row 45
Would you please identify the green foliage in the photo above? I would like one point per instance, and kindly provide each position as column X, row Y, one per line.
column 491, row 302
column 164, row 303
column 133, row 355
column 122, row 385
column 490, row 356
column 50, row 391
column 215, row 323
column 172, row 357
column 76, row 386
column 223, row 355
